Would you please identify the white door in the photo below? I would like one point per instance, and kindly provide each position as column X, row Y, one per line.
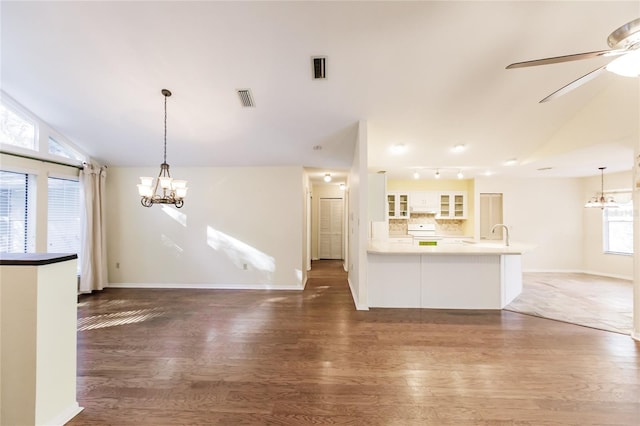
column 330, row 228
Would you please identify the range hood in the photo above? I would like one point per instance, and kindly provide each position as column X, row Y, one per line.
column 422, row 209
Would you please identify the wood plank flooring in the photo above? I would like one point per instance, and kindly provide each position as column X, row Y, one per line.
column 223, row 357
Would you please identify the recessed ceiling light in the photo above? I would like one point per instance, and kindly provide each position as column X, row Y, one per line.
column 416, row 175
column 488, row 173
column 511, row 162
column 460, row 174
column 398, row 148
column 458, row 148
column 327, row 177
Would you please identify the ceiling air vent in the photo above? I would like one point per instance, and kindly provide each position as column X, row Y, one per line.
column 319, row 67
column 246, row 98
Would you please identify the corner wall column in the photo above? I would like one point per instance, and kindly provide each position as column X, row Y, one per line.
column 635, row 333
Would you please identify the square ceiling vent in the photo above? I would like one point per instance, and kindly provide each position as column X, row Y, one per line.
column 246, row 98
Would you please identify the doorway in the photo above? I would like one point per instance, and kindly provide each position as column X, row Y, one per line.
column 490, row 215
column 331, row 228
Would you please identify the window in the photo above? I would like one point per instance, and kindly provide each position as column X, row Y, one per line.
column 15, row 130
column 63, row 216
column 17, row 232
column 618, row 226
column 62, row 150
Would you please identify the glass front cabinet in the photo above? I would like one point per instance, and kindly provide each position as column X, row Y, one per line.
column 397, row 205
column 453, row 205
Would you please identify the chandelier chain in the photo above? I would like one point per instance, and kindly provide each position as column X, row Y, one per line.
column 165, row 128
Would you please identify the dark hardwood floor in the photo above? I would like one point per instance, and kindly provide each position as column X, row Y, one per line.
column 175, row 357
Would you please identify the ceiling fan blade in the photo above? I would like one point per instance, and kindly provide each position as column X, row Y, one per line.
column 567, row 58
column 575, row 83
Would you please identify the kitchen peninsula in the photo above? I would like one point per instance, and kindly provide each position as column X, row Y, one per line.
column 475, row 275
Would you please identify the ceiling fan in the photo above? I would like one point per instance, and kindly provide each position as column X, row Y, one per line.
column 624, row 43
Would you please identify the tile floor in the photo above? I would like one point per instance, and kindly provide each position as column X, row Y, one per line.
column 588, row 300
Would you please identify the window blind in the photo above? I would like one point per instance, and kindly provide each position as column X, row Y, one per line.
column 618, row 226
column 14, row 212
column 63, row 217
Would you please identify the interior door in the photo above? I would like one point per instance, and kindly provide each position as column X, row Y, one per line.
column 490, row 215
column 330, row 228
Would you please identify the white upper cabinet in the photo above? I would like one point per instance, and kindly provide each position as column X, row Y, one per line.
column 398, row 205
column 452, row 205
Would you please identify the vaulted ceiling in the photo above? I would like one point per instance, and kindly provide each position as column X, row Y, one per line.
column 428, row 75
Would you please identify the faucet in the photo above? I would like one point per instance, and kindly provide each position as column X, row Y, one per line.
column 506, row 229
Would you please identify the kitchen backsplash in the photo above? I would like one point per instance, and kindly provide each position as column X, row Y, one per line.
column 452, row 228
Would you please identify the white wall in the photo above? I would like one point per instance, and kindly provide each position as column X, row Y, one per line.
column 358, row 220
column 545, row 212
column 233, row 218
column 595, row 260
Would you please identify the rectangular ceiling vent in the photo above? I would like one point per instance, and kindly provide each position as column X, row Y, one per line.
column 319, row 67
column 246, row 98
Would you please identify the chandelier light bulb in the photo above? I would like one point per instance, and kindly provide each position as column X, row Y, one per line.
column 327, row 177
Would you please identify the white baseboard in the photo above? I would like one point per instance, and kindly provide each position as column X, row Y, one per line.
column 358, row 306
column 296, row 287
column 635, row 335
column 574, row 271
column 620, row 277
column 65, row 415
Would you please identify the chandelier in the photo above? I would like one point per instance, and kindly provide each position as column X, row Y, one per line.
column 601, row 202
column 165, row 190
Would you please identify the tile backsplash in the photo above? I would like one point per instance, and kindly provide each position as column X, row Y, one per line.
column 452, row 228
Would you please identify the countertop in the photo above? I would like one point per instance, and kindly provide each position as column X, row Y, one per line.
column 474, row 247
column 435, row 236
column 34, row 259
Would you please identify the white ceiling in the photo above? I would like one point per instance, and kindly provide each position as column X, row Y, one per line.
column 428, row 75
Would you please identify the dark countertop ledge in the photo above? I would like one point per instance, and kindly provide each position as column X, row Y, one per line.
column 34, row 259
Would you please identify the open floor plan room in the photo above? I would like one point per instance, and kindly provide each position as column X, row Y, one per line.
column 153, row 356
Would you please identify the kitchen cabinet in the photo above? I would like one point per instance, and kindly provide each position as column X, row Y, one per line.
column 452, row 205
column 398, row 205
column 424, row 202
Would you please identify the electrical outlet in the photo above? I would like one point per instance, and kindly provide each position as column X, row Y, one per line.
column 244, row 266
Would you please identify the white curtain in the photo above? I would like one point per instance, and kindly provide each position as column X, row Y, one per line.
column 93, row 268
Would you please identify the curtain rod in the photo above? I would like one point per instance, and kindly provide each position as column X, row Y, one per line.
column 30, row 157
